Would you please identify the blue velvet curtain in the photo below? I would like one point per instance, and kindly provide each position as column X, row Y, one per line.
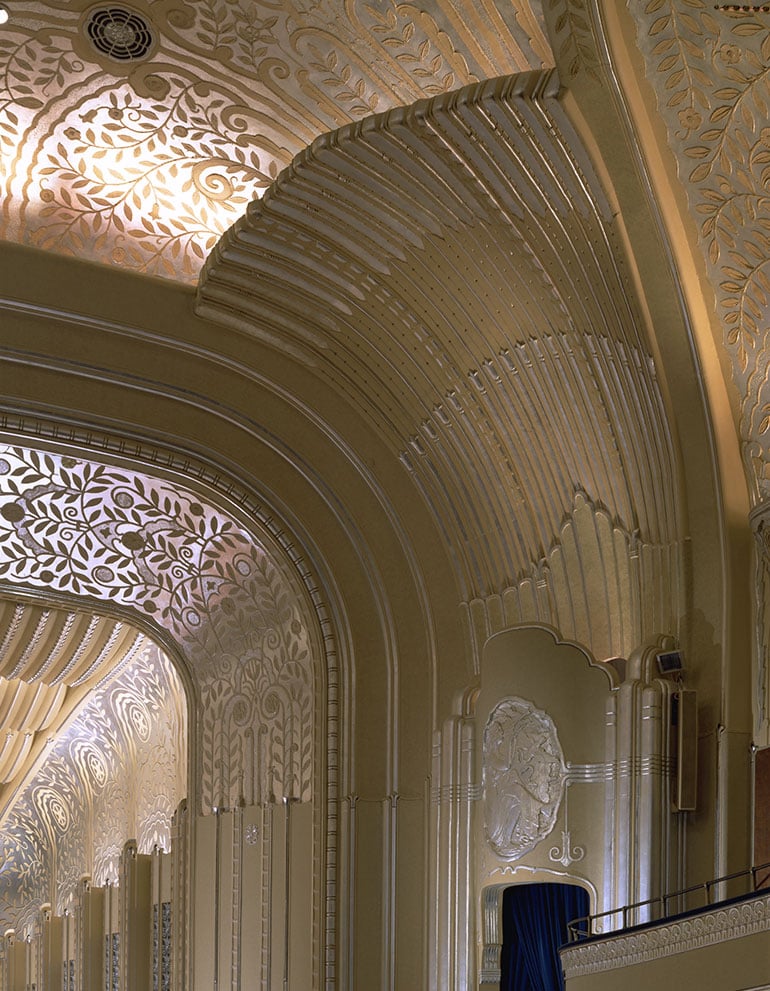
column 535, row 918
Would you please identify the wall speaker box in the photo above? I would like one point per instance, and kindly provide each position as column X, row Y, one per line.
column 670, row 662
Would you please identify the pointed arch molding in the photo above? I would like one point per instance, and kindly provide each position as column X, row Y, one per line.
column 223, row 591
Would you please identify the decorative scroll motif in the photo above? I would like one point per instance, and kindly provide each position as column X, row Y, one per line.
column 523, row 777
column 146, row 163
column 616, row 952
column 710, row 71
column 80, row 528
column 566, row 854
column 117, row 772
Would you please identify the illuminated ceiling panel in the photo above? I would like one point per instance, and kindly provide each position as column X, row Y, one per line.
column 136, row 134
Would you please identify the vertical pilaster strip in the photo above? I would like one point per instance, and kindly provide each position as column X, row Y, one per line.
column 347, row 890
column 643, row 856
column 463, row 944
column 452, row 815
column 390, row 852
column 135, row 896
column 652, row 812
column 432, row 912
column 217, row 890
column 237, row 898
column 760, row 523
column 180, row 881
column 610, row 879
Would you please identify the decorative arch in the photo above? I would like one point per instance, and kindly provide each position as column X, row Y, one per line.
column 113, row 535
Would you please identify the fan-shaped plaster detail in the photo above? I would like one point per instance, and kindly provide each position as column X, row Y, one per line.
column 456, row 271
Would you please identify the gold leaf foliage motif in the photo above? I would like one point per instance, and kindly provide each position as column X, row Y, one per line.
column 711, row 73
column 145, row 164
column 84, row 529
column 118, row 771
column 574, row 42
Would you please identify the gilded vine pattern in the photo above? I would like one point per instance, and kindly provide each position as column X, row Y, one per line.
column 711, row 72
column 145, row 164
column 114, row 535
column 573, row 38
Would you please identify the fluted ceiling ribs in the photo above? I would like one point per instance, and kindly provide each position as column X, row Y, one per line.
column 453, row 268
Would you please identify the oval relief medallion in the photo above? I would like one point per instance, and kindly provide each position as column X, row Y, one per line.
column 523, row 777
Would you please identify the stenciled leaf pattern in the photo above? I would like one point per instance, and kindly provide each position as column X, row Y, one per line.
column 117, row 772
column 111, row 534
column 146, row 164
column 710, row 69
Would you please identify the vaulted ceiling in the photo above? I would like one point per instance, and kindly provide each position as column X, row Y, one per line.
column 395, row 195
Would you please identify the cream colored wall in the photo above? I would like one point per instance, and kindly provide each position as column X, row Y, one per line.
column 616, row 111
column 559, row 680
column 148, row 361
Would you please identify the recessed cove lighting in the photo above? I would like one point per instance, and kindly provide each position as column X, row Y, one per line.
column 5, row 14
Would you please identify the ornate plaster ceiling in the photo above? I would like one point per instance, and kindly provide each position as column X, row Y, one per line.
column 79, row 529
column 710, row 67
column 145, row 163
column 456, row 271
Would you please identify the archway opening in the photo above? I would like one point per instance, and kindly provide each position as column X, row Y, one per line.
column 535, row 918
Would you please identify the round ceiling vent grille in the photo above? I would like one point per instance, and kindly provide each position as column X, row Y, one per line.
column 119, row 34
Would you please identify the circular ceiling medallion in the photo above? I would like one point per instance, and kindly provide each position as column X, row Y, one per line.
column 119, row 33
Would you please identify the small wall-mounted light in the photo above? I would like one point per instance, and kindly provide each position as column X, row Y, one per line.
column 5, row 14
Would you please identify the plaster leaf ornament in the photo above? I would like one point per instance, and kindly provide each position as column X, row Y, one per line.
column 524, row 777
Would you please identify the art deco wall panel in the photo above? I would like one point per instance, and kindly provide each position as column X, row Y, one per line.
column 115, row 535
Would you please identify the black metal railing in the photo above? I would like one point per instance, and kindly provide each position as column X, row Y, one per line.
column 632, row 915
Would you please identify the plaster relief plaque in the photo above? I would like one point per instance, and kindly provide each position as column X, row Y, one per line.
column 523, row 777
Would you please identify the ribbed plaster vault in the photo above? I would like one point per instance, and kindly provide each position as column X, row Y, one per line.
column 144, row 164
column 454, row 269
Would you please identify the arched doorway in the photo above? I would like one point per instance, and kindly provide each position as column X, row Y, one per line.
column 535, row 918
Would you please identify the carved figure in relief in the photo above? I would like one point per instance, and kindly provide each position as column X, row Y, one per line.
column 523, row 777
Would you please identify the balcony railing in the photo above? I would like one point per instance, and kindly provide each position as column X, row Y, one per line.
column 659, row 909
